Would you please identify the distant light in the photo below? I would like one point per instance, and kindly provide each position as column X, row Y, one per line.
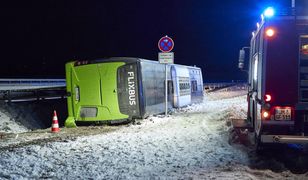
column 258, row 25
column 270, row 32
column 269, row 12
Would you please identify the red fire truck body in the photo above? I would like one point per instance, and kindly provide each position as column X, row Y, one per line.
column 278, row 80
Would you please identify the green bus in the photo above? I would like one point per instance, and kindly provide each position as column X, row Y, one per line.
column 121, row 89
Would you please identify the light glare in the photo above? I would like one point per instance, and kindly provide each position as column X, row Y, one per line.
column 269, row 12
column 268, row 98
column 265, row 114
column 270, row 32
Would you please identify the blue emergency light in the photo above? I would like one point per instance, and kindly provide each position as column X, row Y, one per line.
column 269, row 12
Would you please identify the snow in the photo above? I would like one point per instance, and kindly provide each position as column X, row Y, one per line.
column 27, row 116
column 8, row 124
column 191, row 143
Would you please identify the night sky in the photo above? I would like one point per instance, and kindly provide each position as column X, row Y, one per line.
column 39, row 37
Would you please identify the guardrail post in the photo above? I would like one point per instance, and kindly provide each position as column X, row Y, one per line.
column 9, row 96
column 37, row 95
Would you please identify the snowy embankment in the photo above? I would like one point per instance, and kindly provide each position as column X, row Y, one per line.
column 27, row 116
column 192, row 142
column 18, row 118
column 7, row 124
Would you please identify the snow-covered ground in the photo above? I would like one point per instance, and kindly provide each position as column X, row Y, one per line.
column 191, row 143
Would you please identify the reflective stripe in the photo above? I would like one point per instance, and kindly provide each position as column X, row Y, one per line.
column 55, row 125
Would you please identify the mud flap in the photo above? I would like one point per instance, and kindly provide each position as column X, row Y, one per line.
column 258, row 146
column 240, row 132
column 70, row 122
column 239, row 136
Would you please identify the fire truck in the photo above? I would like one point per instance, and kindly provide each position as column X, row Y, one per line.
column 278, row 76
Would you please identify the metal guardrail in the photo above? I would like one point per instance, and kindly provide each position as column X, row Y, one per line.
column 219, row 85
column 12, row 80
column 18, row 90
column 30, row 84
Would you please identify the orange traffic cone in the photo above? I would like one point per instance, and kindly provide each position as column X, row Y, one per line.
column 55, row 125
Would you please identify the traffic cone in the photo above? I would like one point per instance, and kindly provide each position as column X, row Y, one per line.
column 55, row 125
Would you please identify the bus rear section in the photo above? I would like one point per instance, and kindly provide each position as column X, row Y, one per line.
column 95, row 90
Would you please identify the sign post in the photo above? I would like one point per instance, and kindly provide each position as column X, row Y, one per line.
column 165, row 45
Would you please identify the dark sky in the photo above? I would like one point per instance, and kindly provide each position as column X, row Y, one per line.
column 39, row 37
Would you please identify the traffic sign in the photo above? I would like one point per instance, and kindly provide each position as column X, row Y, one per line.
column 166, row 58
column 165, row 44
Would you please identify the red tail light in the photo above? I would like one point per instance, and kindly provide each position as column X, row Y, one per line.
column 267, row 98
